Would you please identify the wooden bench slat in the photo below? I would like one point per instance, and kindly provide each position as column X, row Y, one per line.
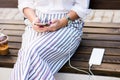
column 104, row 37
column 101, row 25
column 102, row 31
column 105, row 44
column 15, row 39
column 108, row 51
column 13, row 52
column 12, row 27
column 13, row 32
column 17, row 22
column 14, row 45
column 7, row 61
column 106, row 59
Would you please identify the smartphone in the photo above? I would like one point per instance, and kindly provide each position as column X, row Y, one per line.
column 45, row 24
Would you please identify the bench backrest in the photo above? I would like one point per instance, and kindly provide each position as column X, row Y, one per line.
column 105, row 4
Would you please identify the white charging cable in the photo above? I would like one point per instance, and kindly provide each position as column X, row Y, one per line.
column 90, row 65
column 92, row 75
column 80, row 70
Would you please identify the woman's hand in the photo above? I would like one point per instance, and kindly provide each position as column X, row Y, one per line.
column 38, row 26
column 54, row 25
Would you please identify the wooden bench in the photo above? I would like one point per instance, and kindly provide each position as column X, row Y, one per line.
column 96, row 35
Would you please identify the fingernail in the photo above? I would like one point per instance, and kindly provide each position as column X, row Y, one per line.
column 41, row 26
column 50, row 22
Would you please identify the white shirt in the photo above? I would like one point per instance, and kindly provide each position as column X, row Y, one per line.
column 48, row 6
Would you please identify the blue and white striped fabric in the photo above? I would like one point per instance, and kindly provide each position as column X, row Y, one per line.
column 43, row 54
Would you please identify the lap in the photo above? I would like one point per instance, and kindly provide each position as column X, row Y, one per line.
column 58, row 41
column 55, row 48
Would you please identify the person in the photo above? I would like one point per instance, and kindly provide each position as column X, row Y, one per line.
column 52, row 35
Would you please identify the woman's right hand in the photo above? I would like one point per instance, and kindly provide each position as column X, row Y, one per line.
column 34, row 24
column 37, row 26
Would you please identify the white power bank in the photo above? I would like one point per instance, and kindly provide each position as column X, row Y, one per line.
column 96, row 56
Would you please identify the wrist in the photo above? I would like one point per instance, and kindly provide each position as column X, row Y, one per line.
column 64, row 21
column 68, row 19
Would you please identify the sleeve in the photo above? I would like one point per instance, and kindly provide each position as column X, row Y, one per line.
column 25, row 3
column 81, row 8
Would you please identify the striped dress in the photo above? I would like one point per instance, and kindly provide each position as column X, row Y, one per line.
column 43, row 54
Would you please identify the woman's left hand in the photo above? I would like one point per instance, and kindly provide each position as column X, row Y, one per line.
column 55, row 25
